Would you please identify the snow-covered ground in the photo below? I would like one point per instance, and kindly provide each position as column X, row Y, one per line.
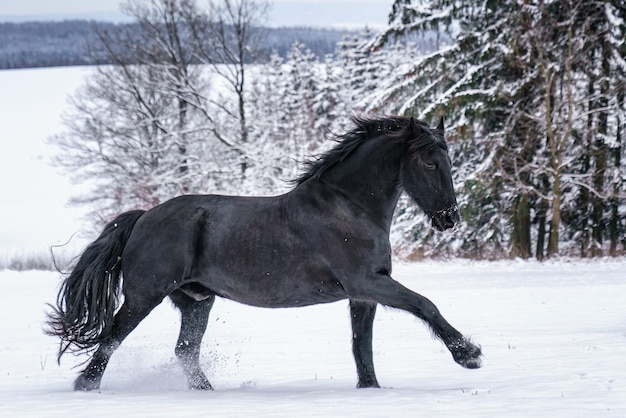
column 553, row 334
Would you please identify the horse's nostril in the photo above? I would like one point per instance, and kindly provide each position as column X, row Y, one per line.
column 450, row 217
column 443, row 221
column 448, row 221
column 453, row 214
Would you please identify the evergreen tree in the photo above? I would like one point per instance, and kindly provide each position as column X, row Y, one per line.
column 269, row 146
column 510, row 86
column 595, row 216
column 458, row 81
column 293, row 100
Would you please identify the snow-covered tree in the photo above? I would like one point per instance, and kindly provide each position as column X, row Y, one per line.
column 227, row 38
column 457, row 81
column 596, row 213
column 269, row 146
column 297, row 104
column 135, row 129
column 511, row 85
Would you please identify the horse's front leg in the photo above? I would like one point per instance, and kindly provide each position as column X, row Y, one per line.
column 380, row 288
column 362, row 317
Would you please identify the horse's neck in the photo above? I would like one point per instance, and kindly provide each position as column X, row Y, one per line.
column 369, row 179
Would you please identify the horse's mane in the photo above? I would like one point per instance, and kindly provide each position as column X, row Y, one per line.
column 365, row 128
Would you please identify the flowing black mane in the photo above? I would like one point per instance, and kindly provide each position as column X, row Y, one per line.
column 366, row 128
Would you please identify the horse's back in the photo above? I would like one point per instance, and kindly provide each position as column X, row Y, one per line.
column 171, row 230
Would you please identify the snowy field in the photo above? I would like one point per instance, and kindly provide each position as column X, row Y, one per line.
column 553, row 334
column 33, row 194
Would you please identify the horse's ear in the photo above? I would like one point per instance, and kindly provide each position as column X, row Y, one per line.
column 440, row 126
column 413, row 126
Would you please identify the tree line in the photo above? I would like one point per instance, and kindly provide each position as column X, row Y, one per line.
column 74, row 42
column 532, row 93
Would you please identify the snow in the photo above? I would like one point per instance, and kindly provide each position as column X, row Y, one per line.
column 33, row 194
column 553, row 334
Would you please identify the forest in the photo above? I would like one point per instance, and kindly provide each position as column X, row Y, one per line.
column 532, row 92
column 75, row 42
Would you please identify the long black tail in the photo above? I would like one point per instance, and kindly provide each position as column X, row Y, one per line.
column 89, row 295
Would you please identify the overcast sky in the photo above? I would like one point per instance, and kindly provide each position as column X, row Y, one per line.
column 284, row 13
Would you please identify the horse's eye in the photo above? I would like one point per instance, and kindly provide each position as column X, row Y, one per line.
column 429, row 166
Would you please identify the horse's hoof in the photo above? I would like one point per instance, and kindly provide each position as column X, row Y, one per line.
column 201, row 386
column 368, row 384
column 467, row 354
column 85, row 385
column 199, row 383
column 475, row 363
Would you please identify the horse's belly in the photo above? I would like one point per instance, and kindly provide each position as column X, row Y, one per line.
column 264, row 290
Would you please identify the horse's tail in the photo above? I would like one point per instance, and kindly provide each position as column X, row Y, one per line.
column 89, row 295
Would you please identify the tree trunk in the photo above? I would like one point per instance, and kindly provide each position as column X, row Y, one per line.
column 541, row 232
column 520, row 236
column 616, row 227
column 553, row 239
column 601, row 153
column 597, row 216
column 584, row 224
column 617, row 232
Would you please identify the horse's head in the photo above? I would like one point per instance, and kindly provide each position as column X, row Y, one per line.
column 426, row 175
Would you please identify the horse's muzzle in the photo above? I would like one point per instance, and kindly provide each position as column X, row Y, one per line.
column 446, row 218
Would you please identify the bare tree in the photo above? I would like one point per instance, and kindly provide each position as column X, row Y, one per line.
column 138, row 130
column 227, row 38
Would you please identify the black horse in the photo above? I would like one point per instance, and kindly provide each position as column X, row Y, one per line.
column 325, row 240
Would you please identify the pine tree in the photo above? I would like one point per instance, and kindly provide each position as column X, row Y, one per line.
column 603, row 31
column 458, row 80
column 510, row 85
column 296, row 101
column 269, row 144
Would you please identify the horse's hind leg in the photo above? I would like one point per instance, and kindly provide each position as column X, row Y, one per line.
column 130, row 314
column 362, row 317
column 194, row 319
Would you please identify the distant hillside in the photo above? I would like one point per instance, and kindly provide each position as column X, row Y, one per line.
column 66, row 43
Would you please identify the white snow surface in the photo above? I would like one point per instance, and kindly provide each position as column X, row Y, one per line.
column 553, row 335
